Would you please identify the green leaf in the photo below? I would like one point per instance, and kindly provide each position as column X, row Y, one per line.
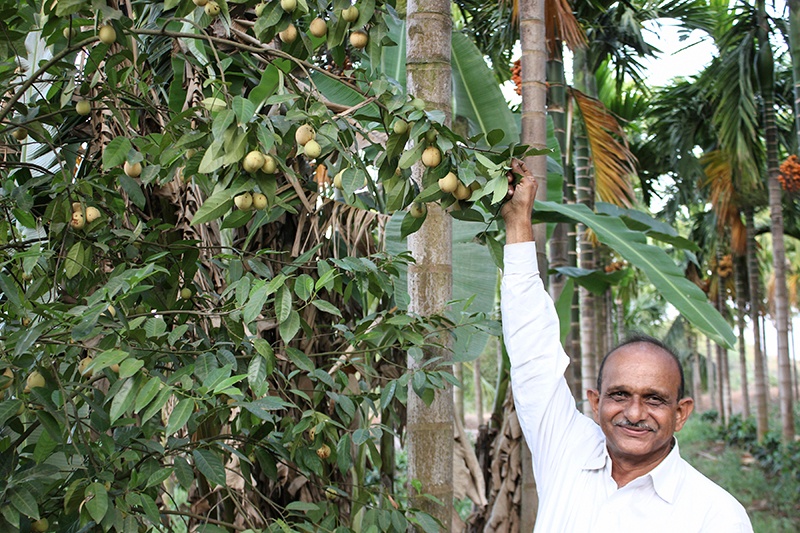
column 258, row 297
column 326, row 307
column 180, row 415
column 257, row 371
column 481, row 102
column 74, row 262
column 210, row 465
column 283, row 304
column 123, row 400
column 8, row 409
column 130, row 367
column 147, row 393
column 665, row 275
column 115, row 153
column 24, row 502
column 96, row 501
column 214, row 207
column 107, row 358
column 387, row 394
column 130, row 186
column 289, row 327
column 244, row 109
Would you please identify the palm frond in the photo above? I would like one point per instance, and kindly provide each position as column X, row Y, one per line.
column 613, row 162
column 561, row 25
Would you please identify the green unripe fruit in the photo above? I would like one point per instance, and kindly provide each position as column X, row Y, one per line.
column 400, row 127
column 186, row 293
column 350, row 14
column 289, row 5
column 312, row 149
column 83, row 107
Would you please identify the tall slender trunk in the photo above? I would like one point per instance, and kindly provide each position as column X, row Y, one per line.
column 476, row 384
column 767, row 86
column 430, row 277
column 740, row 271
column 534, row 134
column 458, row 392
column 711, row 380
column 759, row 373
column 697, row 381
column 723, row 374
column 794, row 47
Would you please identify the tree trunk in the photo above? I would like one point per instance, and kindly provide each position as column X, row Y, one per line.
column 711, row 380
column 794, row 47
column 476, row 384
column 534, row 134
column 767, row 87
column 697, row 382
column 458, row 393
column 759, row 373
column 739, row 270
column 723, row 374
column 430, row 428
column 585, row 195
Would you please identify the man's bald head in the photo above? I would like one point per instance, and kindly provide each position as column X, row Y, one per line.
column 644, row 339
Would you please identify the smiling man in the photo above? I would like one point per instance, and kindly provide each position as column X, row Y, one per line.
column 623, row 473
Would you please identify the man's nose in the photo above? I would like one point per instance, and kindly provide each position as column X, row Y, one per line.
column 634, row 410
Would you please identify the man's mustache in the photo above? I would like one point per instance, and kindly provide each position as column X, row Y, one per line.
column 625, row 423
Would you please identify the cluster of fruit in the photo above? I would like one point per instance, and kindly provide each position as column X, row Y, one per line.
column 81, row 216
column 789, row 176
column 317, row 28
column 725, row 267
column 516, row 76
column 614, row 266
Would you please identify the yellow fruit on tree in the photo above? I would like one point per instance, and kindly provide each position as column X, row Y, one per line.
column 40, row 526
column 76, row 206
column 312, row 149
column 288, row 5
column 462, row 192
column 69, row 33
column 418, row 210
column 244, row 201
column 318, row 28
column 449, row 183
column 431, row 157
column 269, row 166
column 19, row 134
column 6, row 383
column 186, row 293
column 260, row 8
column 92, row 214
column 35, row 379
column 304, row 134
column 134, row 170
column 78, row 221
column 359, row 39
column 350, row 14
column 337, row 179
column 259, row 201
column 83, row 107
column 288, row 35
column 324, row 451
column 253, row 161
column 107, row 34
column 212, row 9
column 83, row 366
column 200, row 3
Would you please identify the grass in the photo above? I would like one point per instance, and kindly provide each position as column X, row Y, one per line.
column 773, row 506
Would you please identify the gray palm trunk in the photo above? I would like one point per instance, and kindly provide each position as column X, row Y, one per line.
column 759, row 373
column 430, row 428
column 534, row 134
column 767, row 86
column 740, row 271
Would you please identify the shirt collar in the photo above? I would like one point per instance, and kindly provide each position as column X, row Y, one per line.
column 666, row 476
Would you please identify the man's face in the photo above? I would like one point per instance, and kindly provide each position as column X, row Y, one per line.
column 638, row 407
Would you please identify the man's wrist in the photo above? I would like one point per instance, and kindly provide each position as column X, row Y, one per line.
column 519, row 232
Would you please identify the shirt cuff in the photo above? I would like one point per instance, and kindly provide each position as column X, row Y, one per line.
column 520, row 258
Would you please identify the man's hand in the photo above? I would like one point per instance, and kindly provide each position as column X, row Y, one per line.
column 516, row 210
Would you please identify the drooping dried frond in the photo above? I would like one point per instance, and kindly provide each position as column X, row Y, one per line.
column 718, row 177
column 561, row 25
column 613, row 162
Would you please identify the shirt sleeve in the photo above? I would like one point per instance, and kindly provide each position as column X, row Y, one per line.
column 546, row 409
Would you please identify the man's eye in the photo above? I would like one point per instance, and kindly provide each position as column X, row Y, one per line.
column 618, row 395
column 655, row 402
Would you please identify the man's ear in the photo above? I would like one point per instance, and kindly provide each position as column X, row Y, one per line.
column 594, row 400
column 682, row 412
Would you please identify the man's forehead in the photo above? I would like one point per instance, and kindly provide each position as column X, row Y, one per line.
column 637, row 358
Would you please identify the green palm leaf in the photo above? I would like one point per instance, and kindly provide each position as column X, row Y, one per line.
column 665, row 275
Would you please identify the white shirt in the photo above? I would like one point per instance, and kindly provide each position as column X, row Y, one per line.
column 570, row 461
